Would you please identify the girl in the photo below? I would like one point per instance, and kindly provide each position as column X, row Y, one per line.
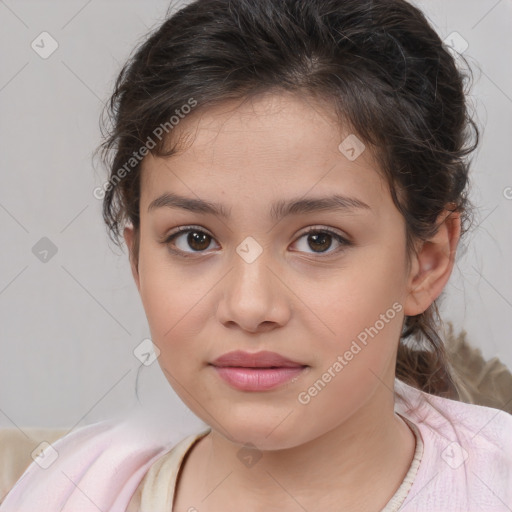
column 290, row 178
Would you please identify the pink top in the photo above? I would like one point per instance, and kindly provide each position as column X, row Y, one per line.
column 466, row 464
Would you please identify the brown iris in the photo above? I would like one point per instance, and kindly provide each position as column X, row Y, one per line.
column 320, row 238
column 197, row 239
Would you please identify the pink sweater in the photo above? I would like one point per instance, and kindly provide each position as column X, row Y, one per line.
column 466, row 463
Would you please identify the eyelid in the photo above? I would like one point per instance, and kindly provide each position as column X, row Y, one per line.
column 325, row 229
column 188, row 227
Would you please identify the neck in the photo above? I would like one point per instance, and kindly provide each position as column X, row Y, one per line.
column 360, row 463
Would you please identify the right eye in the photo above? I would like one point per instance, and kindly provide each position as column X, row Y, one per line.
column 196, row 238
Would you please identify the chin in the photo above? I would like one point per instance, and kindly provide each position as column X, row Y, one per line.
column 259, row 432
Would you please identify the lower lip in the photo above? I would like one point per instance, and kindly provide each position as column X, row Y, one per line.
column 257, row 379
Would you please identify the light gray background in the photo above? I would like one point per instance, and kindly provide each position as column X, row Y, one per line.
column 69, row 326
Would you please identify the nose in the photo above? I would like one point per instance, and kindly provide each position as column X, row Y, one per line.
column 254, row 297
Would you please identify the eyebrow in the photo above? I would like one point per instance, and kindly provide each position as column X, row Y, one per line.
column 278, row 210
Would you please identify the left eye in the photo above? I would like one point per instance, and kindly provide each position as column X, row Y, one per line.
column 320, row 240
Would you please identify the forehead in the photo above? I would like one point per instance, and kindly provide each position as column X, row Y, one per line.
column 267, row 124
column 274, row 144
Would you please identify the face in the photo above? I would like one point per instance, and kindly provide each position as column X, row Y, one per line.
column 254, row 280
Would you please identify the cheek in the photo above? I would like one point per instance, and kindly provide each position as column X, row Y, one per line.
column 363, row 308
column 176, row 308
column 361, row 292
column 162, row 293
column 367, row 320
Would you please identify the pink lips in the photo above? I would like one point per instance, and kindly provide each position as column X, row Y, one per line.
column 258, row 371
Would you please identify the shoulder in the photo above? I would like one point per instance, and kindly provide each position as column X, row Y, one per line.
column 95, row 467
column 467, row 459
column 484, row 425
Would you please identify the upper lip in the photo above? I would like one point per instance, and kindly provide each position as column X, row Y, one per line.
column 264, row 359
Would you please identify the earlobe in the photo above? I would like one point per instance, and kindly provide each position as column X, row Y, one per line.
column 433, row 265
column 129, row 237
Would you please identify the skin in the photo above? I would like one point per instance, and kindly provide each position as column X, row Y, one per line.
column 346, row 445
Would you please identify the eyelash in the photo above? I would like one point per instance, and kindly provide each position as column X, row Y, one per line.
column 316, row 230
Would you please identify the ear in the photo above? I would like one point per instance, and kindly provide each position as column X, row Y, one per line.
column 432, row 265
column 133, row 248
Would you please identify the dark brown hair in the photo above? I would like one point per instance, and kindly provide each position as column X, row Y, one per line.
column 379, row 63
